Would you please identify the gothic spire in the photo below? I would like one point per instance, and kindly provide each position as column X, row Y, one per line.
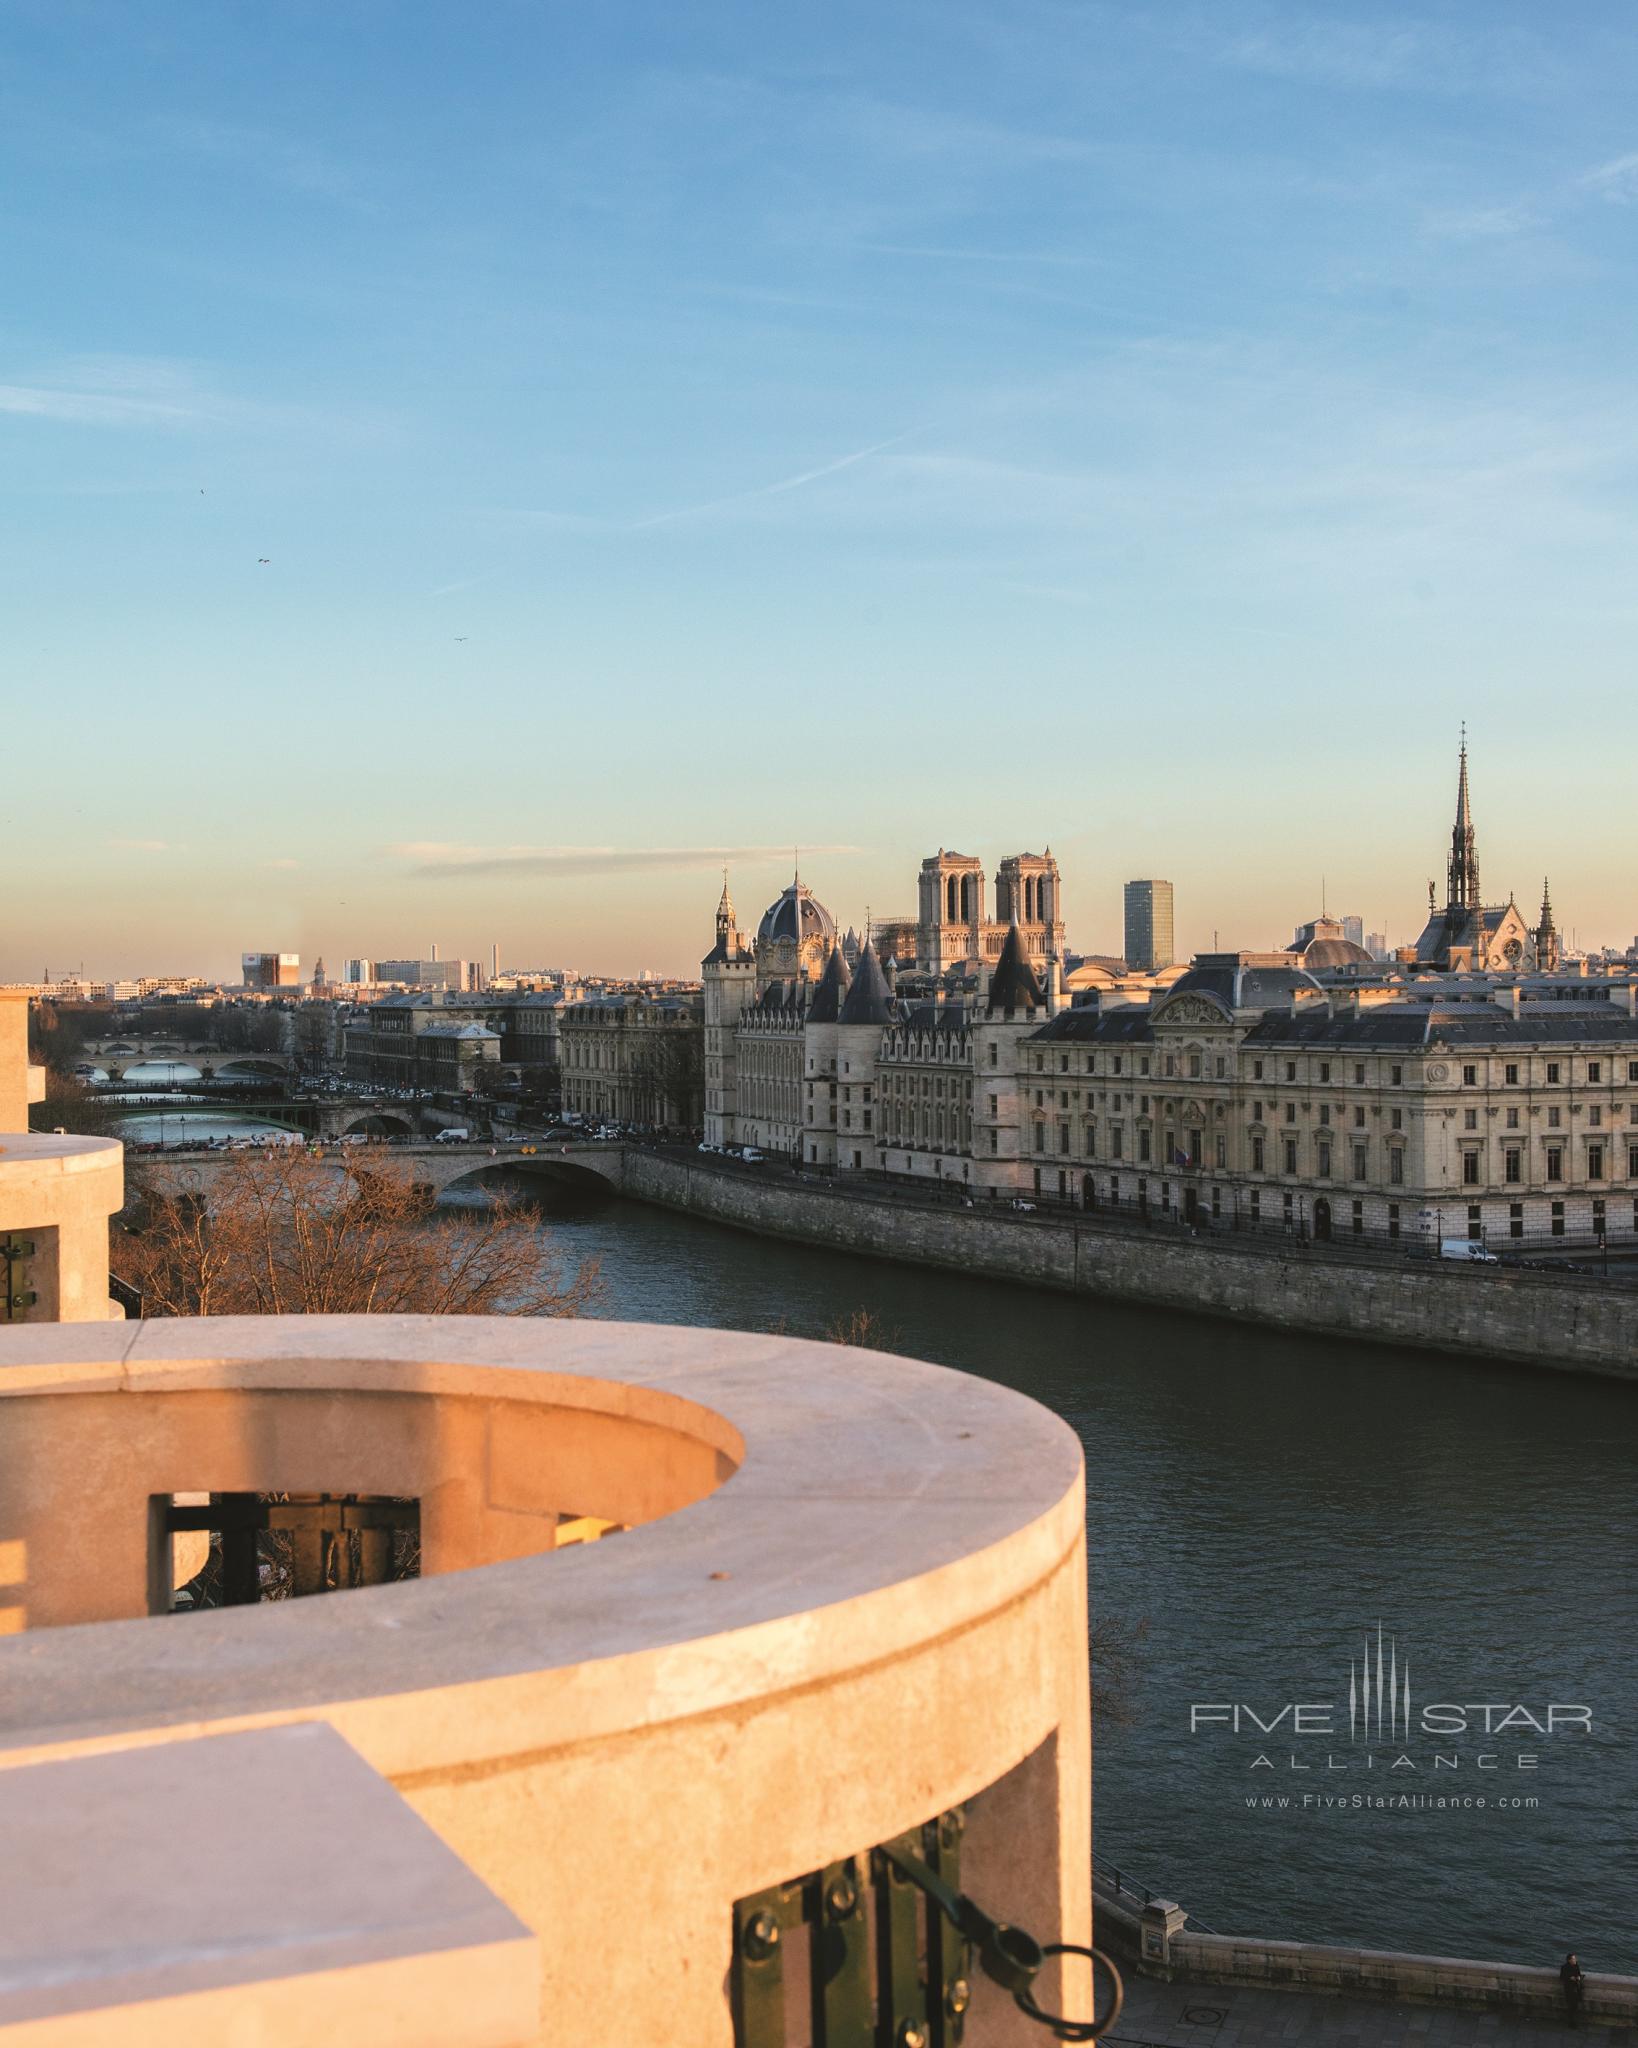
column 1546, row 924
column 1463, row 892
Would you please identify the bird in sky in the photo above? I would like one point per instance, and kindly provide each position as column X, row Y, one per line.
column 461, row 639
column 264, row 558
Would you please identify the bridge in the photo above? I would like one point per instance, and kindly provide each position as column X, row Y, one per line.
column 440, row 1166
column 326, row 1117
column 114, row 1055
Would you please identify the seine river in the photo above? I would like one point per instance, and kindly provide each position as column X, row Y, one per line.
column 1258, row 1505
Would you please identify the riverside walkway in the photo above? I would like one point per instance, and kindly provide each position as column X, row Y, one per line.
column 1185, row 2015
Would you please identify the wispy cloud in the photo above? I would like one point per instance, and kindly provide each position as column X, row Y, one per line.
column 438, row 861
column 1617, row 180
column 93, row 408
column 266, row 154
column 1480, row 223
column 449, row 589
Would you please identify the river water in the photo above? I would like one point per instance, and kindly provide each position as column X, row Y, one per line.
column 1259, row 1503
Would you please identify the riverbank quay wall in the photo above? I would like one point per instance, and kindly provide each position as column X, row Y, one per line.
column 1522, row 1317
column 1156, row 1940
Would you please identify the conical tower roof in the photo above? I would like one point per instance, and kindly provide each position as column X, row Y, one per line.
column 826, row 1007
column 1014, row 984
column 869, row 1000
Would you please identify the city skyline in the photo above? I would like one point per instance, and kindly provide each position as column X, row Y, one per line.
column 468, row 480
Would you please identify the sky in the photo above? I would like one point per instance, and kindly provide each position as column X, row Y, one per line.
column 468, row 473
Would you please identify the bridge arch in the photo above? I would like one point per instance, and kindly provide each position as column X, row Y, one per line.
column 369, row 1121
column 251, row 1066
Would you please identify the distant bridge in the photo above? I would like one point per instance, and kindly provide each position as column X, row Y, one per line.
column 439, row 1166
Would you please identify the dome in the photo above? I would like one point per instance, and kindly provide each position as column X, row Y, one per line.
column 1335, row 953
column 797, row 915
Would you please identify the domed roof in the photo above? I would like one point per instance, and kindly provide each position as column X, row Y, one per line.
column 1335, row 953
column 796, row 915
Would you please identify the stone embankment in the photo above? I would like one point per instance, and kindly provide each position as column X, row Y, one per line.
column 1520, row 1316
column 1157, row 1941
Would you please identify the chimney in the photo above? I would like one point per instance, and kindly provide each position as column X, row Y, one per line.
column 1054, row 986
column 434, row 953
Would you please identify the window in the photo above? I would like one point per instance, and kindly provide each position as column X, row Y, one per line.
column 1595, row 1162
column 1291, row 1070
column 1396, row 1166
column 1359, row 1074
column 1512, row 1073
column 1359, row 1218
column 1553, row 1119
column 1117, row 1065
column 1063, row 1063
column 1393, row 1219
column 1515, row 1219
column 1325, row 1070
column 1398, row 1119
column 1325, row 1112
column 1512, row 1119
column 1256, row 1205
column 1513, row 1164
column 1632, row 1162
column 1194, row 1066
column 1598, row 1221
column 1291, row 1155
column 995, row 1142
column 1222, row 1152
column 1256, row 1112
column 1470, row 1169
column 1143, row 1064
column 1222, row 1066
column 1470, row 1077
column 1470, row 1119
column 1595, row 1070
column 1396, row 1075
column 1555, row 1164
column 1557, row 1224
column 992, row 1052
column 1359, row 1116
column 1632, row 1070
column 1257, row 1070
column 1291, row 1112
column 1287, row 1208
column 1143, row 1144
column 1359, row 1162
column 1324, row 1162
column 1171, row 1066
column 1117, row 1140
column 1256, row 1155
column 1595, row 1115
column 1552, row 1071
column 1040, row 1138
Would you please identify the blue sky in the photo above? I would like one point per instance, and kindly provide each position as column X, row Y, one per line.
column 682, row 432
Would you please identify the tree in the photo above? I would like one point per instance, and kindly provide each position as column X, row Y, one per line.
column 283, row 1232
column 668, row 1075
column 70, row 1106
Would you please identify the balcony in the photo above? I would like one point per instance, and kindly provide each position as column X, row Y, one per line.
column 554, row 1784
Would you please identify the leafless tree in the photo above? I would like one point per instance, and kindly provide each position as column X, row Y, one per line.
column 285, row 1232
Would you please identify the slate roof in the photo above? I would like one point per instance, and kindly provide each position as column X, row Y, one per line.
column 1013, row 985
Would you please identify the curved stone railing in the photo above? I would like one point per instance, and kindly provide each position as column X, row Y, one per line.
column 851, row 1597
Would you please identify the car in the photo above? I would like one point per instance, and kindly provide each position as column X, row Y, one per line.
column 1024, row 1208
column 1468, row 1251
column 751, row 1152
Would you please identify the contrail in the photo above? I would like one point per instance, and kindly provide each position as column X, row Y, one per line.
column 789, row 483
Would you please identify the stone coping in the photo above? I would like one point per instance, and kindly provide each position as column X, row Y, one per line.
column 193, row 1868
column 68, row 1154
column 880, row 1504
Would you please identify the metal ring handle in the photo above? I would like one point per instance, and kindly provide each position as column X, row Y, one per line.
column 1075, row 2030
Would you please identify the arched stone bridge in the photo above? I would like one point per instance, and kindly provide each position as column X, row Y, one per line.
column 440, row 1166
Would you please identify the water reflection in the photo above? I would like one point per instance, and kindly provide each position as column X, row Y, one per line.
column 1259, row 1500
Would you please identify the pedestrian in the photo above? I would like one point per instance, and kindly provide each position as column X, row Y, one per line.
column 1569, row 1975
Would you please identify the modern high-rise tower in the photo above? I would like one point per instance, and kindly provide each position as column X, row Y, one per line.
column 1149, row 939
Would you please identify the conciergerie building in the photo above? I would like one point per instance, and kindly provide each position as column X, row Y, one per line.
column 1474, row 1085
